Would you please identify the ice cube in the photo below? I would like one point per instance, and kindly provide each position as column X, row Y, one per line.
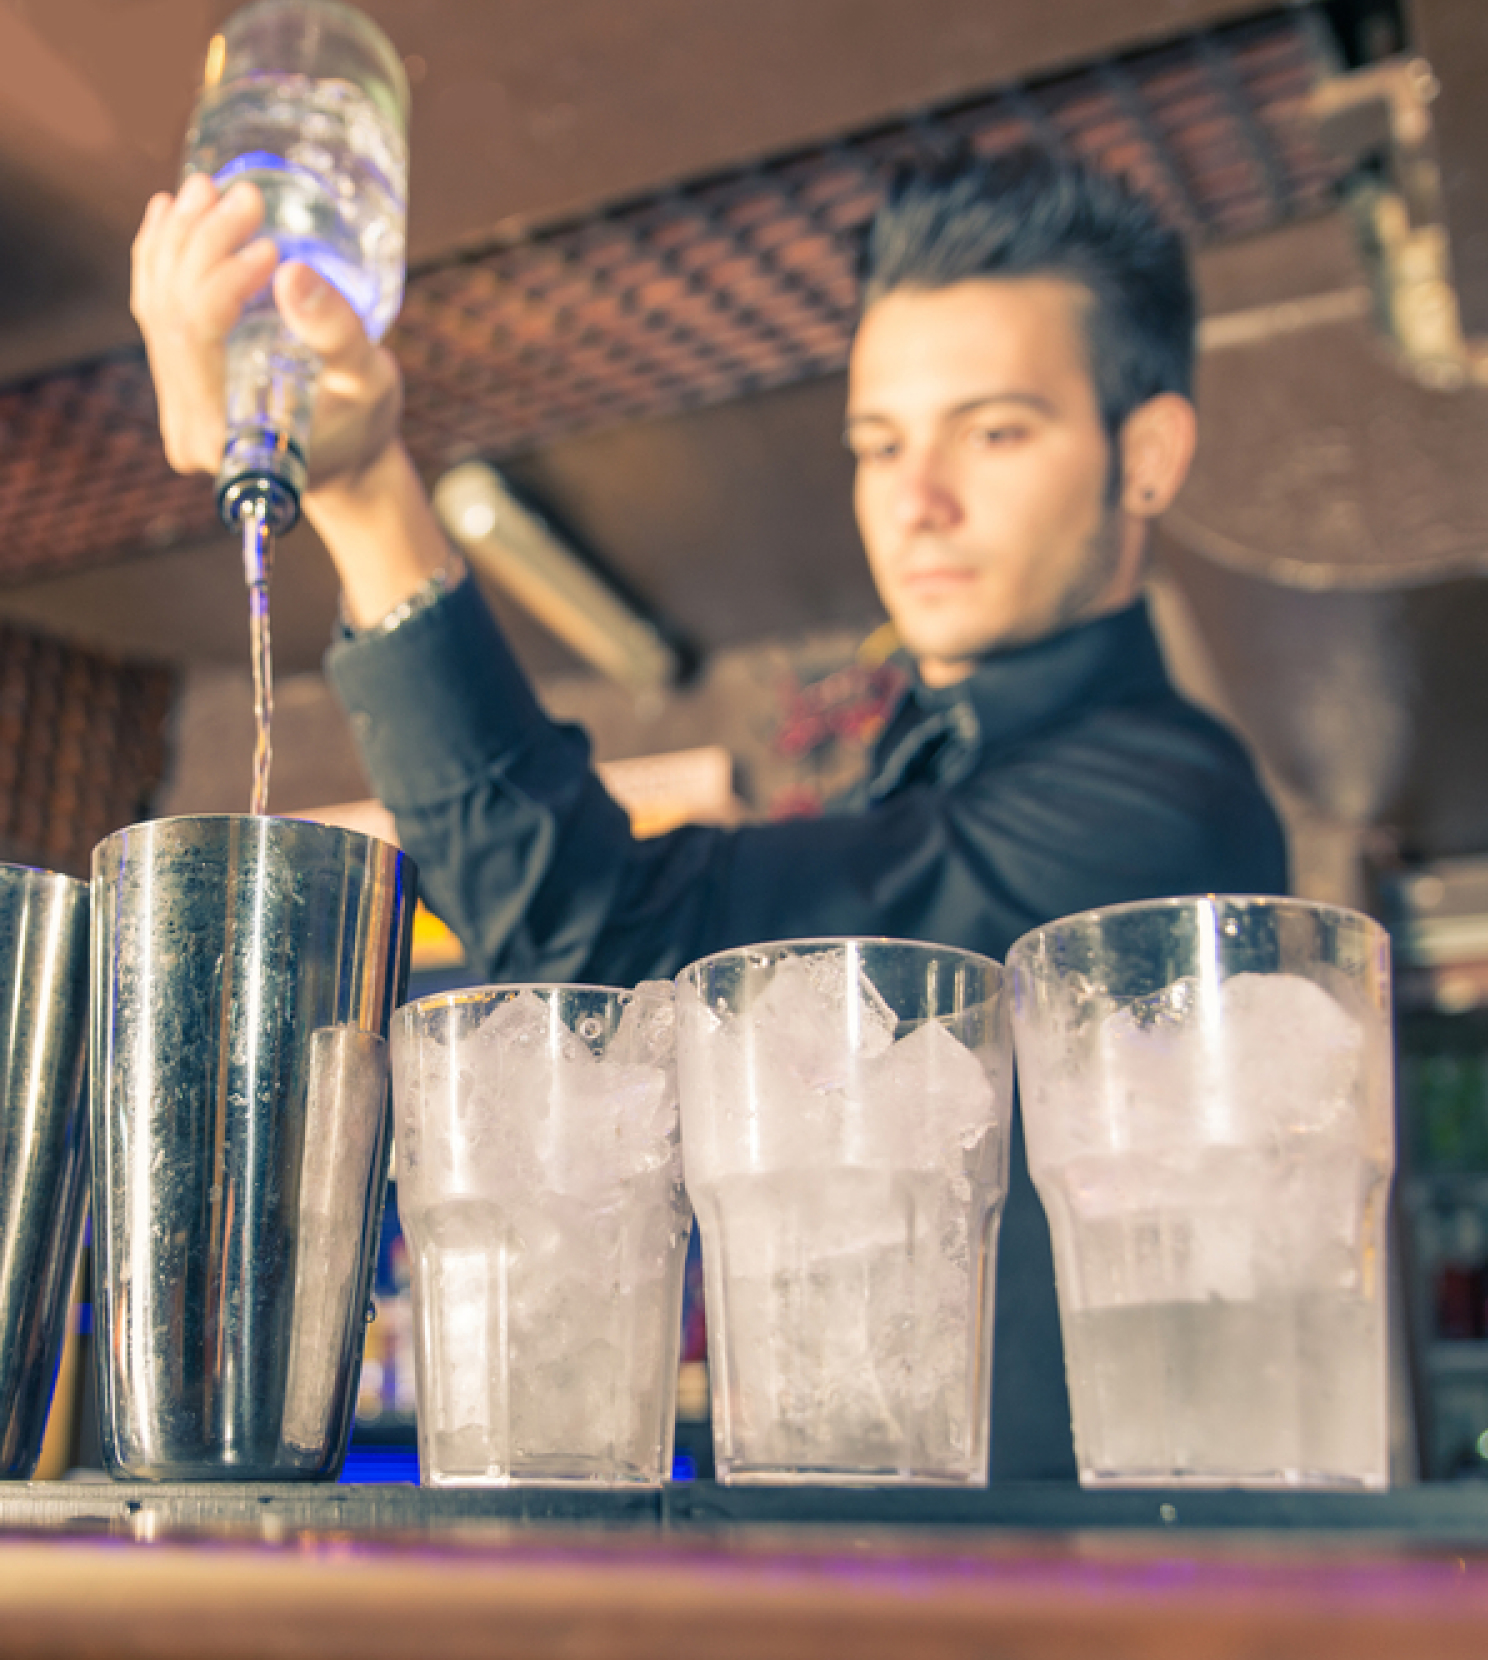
column 409, row 1071
column 610, row 1121
column 462, row 1310
column 1218, row 1108
column 1296, row 1057
column 521, row 1028
column 843, row 981
column 1158, row 1064
column 819, row 1018
column 430, row 1075
column 534, row 1109
column 524, row 1063
column 1171, row 1011
column 1240, row 1063
column 521, row 1019
column 931, row 1096
column 647, row 1033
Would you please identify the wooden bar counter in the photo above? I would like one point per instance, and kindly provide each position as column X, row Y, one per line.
column 366, row 1572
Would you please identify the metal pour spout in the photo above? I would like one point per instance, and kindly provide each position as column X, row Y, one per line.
column 260, row 481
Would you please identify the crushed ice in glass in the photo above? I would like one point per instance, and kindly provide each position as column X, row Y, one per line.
column 540, row 1182
column 1258, row 1058
column 843, row 1174
column 1215, row 1195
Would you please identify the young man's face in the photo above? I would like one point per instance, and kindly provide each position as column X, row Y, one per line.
column 983, row 468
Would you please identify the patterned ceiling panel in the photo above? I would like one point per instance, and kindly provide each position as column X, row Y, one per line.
column 702, row 293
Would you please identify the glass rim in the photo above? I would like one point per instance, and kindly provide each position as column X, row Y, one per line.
column 824, row 941
column 1098, row 914
column 178, row 821
column 14, row 870
column 458, row 996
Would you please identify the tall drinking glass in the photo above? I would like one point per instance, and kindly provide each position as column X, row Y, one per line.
column 540, row 1186
column 845, row 1113
column 1207, row 1096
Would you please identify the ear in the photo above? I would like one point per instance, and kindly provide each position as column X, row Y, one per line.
column 1157, row 448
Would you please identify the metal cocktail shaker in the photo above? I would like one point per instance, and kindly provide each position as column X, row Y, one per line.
column 244, row 972
column 43, row 1140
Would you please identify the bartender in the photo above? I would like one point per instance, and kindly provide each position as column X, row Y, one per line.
column 1020, row 409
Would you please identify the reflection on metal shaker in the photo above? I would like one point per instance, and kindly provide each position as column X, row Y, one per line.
column 244, row 971
column 43, row 1140
column 343, row 1105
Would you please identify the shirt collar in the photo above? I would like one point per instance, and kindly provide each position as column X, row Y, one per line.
column 1014, row 692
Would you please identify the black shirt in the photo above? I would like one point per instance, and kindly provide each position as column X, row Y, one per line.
column 1058, row 776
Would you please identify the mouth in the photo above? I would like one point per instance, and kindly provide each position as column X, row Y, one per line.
column 937, row 579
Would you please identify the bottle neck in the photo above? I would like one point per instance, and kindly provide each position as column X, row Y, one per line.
column 271, row 381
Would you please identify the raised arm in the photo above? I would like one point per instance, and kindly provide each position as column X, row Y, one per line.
column 197, row 261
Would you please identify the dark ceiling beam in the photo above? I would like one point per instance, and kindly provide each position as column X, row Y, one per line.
column 661, row 90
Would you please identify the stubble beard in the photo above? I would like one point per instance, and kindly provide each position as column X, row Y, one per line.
column 1097, row 588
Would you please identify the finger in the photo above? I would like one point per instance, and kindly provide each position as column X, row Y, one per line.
column 141, row 250
column 217, row 301
column 320, row 315
column 155, row 211
column 220, row 232
column 195, row 199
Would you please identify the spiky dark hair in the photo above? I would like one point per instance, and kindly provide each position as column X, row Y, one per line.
column 1027, row 214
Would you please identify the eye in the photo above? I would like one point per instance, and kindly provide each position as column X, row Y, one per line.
column 868, row 448
column 996, row 434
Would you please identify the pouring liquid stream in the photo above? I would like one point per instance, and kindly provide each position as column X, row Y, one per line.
column 258, row 548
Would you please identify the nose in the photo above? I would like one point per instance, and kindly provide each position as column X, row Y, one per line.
column 924, row 494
